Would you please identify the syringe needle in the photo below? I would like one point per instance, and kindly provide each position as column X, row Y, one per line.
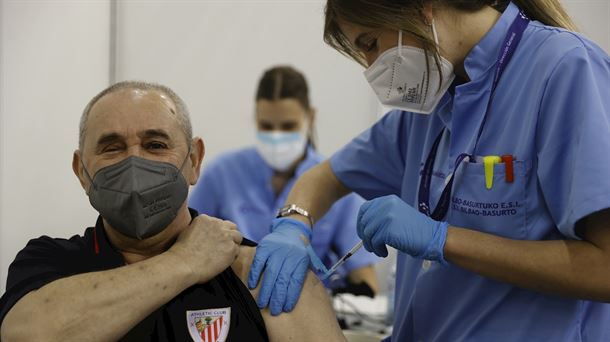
column 343, row 259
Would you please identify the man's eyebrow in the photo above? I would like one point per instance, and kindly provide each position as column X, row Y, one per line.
column 155, row 133
column 108, row 138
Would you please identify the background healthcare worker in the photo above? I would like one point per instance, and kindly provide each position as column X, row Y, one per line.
column 249, row 186
column 515, row 246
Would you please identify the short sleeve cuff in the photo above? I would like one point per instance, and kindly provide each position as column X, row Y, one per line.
column 586, row 208
column 339, row 164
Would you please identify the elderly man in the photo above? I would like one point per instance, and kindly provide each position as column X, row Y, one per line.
column 150, row 269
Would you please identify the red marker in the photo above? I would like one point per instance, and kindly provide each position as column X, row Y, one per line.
column 507, row 159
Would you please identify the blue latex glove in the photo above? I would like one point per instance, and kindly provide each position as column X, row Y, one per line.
column 283, row 256
column 390, row 221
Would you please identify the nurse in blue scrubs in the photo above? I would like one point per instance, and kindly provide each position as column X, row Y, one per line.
column 249, row 186
column 491, row 177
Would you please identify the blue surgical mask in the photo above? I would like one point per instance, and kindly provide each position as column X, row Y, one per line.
column 281, row 149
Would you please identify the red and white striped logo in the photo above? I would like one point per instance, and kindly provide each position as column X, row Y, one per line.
column 211, row 325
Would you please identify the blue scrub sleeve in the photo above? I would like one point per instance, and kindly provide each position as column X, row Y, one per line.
column 373, row 163
column 345, row 237
column 205, row 196
column 573, row 138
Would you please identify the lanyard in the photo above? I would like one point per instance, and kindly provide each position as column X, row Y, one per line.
column 511, row 41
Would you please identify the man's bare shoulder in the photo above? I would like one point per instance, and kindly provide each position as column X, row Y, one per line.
column 241, row 265
column 312, row 309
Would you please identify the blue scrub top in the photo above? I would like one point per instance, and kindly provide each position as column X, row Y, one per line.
column 237, row 187
column 551, row 111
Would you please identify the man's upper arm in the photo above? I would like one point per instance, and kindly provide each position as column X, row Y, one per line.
column 312, row 309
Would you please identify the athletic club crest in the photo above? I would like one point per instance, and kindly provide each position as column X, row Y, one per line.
column 211, row 325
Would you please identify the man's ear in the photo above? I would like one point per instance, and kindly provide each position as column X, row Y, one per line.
column 77, row 167
column 197, row 154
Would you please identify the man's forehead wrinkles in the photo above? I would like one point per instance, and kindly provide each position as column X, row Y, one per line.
column 143, row 116
column 142, row 133
column 118, row 114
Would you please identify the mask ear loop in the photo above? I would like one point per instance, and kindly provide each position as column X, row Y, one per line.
column 188, row 154
column 400, row 43
column 87, row 174
column 434, row 34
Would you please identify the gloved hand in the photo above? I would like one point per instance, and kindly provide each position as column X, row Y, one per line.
column 283, row 256
column 390, row 221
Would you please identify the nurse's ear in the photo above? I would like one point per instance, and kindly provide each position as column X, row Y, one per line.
column 427, row 14
column 311, row 119
column 196, row 159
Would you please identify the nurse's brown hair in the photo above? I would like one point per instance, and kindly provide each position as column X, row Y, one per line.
column 285, row 82
column 406, row 15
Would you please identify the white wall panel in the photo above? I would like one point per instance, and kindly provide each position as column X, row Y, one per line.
column 54, row 58
column 592, row 18
column 213, row 52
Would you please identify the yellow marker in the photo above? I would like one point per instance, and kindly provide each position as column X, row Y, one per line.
column 488, row 164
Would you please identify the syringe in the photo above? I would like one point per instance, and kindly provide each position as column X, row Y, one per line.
column 342, row 260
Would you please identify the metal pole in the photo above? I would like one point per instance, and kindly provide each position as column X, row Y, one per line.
column 112, row 58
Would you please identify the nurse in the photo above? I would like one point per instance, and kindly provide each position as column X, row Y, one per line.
column 249, row 186
column 491, row 177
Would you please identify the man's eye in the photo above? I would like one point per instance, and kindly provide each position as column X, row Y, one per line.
column 155, row 145
column 111, row 148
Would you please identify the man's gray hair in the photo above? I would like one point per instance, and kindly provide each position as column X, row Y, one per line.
column 182, row 113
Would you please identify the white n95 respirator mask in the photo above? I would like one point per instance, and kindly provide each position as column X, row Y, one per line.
column 400, row 78
column 281, row 149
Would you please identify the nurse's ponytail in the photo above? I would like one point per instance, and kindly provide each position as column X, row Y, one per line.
column 548, row 12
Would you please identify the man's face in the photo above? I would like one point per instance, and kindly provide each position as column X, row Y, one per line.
column 133, row 122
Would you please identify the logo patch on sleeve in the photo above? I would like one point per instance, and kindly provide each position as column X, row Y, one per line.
column 211, row 325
